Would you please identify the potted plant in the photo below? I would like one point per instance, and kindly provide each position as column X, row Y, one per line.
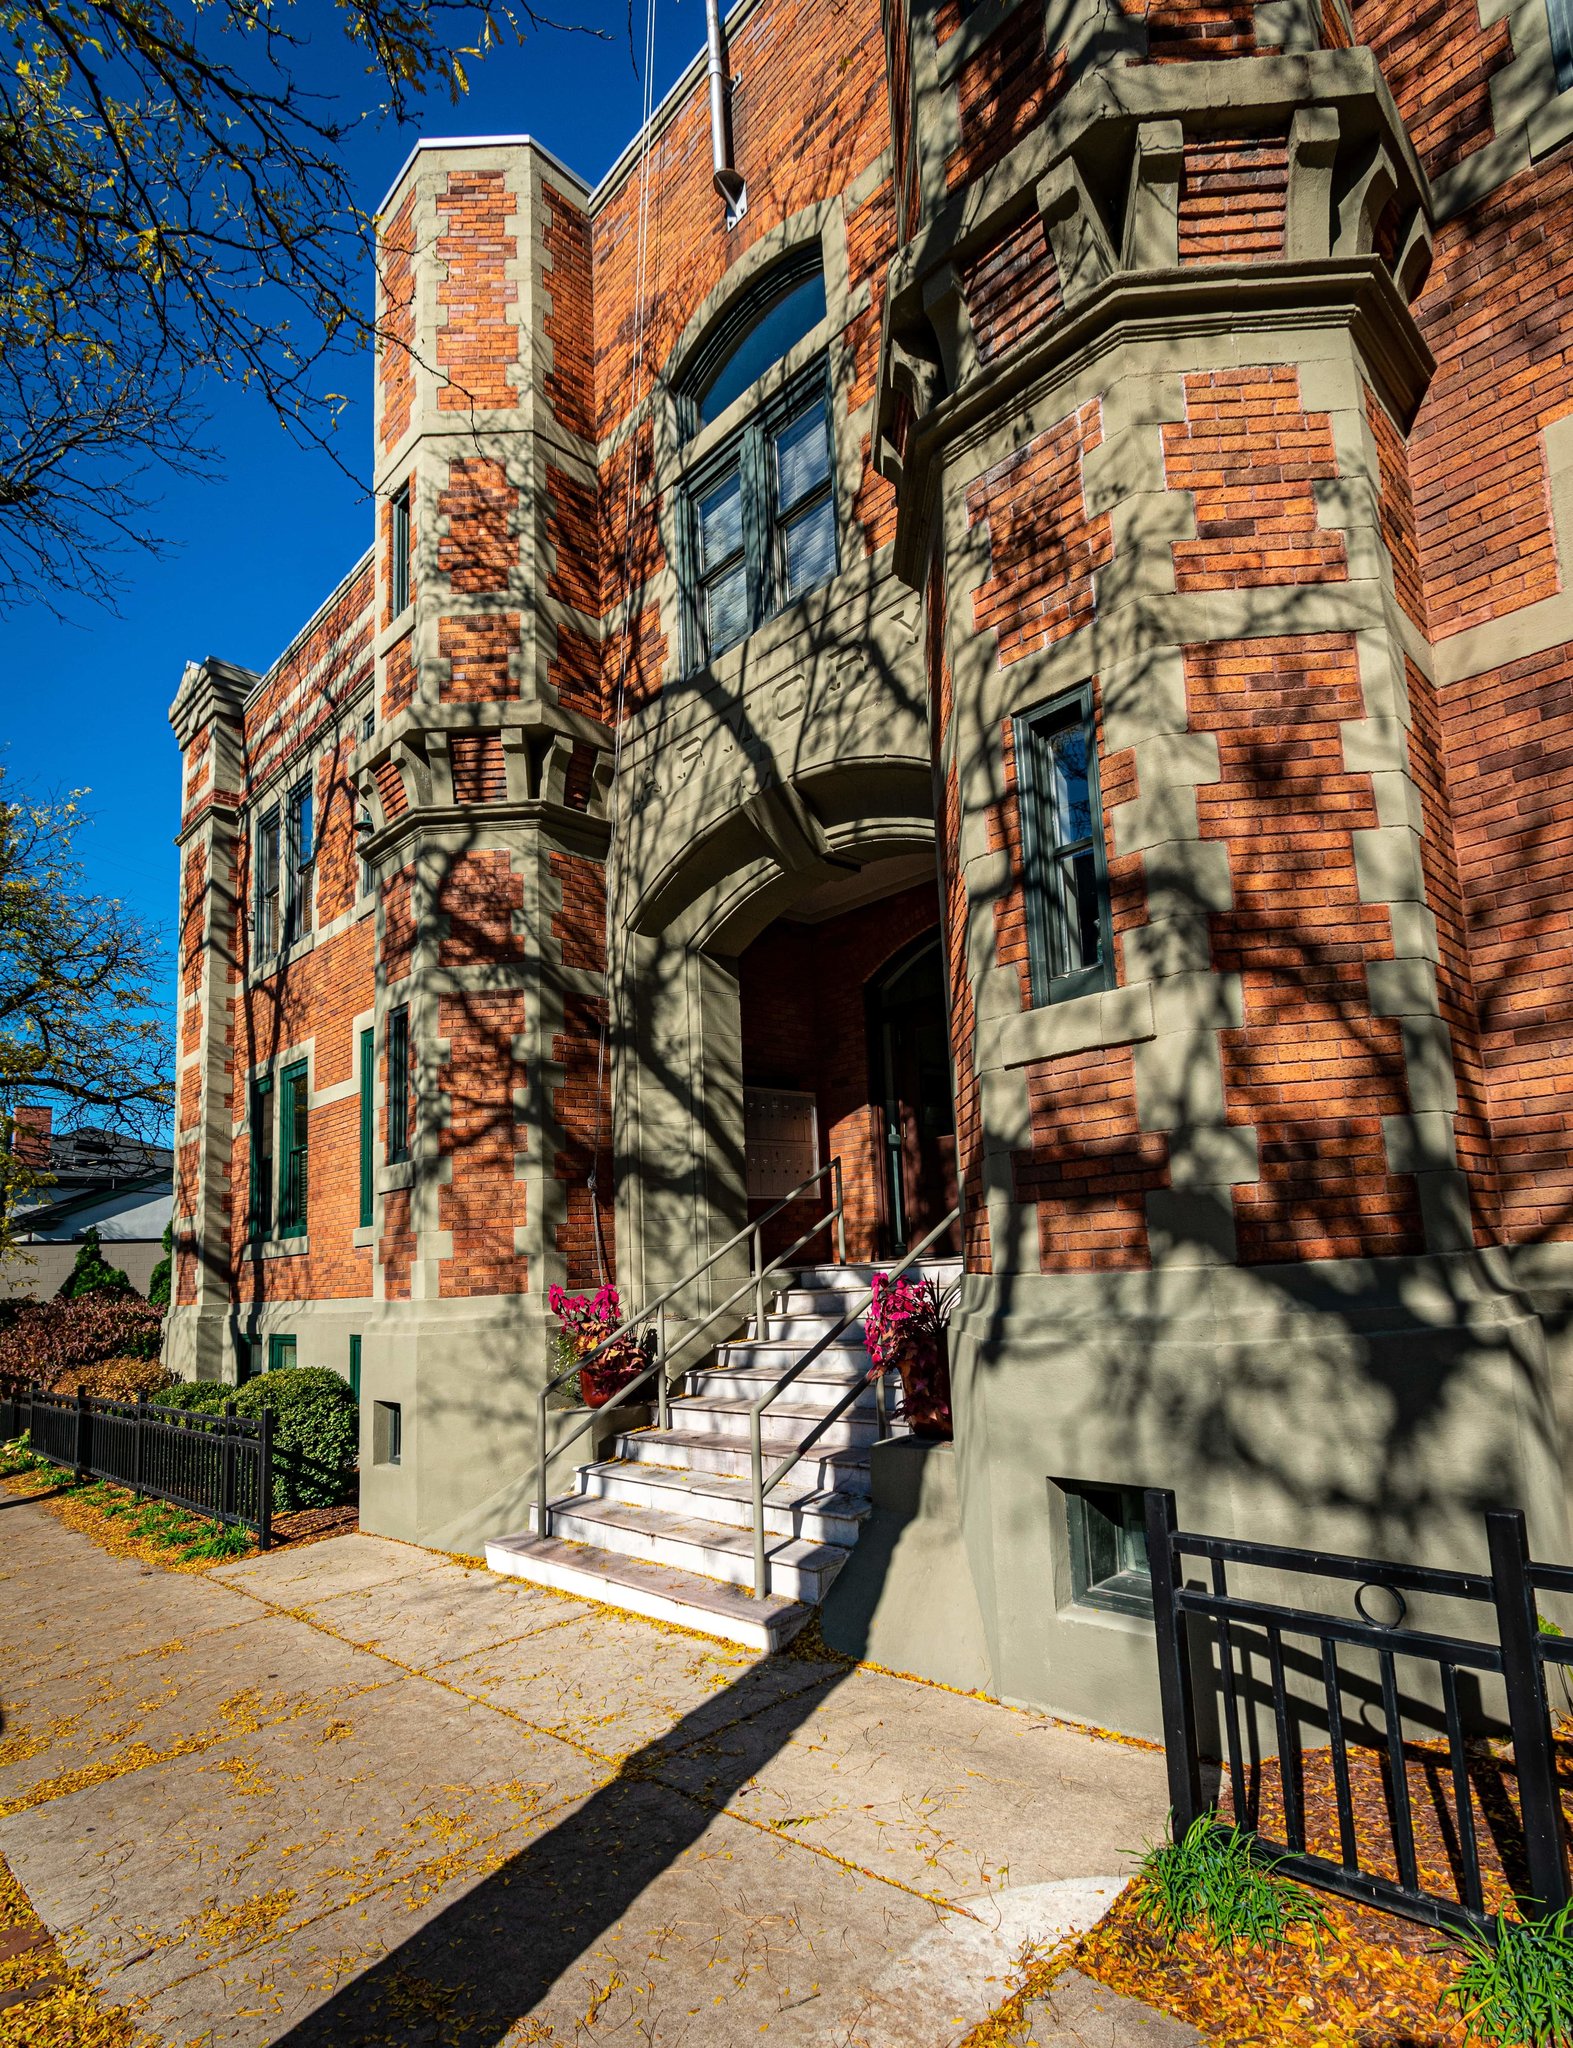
column 905, row 1327
column 587, row 1320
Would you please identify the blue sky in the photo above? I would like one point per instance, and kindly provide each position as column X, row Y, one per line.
column 85, row 704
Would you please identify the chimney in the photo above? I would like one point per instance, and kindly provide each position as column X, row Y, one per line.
column 34, row 1124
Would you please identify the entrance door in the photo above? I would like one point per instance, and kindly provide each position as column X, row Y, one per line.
column 911, row 1042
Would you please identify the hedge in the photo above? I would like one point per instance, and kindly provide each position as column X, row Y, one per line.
column 197, row 1395
column 316, row 1434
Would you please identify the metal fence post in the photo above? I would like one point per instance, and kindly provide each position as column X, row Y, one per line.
column 227, row 1480
column 265, row 1479
column 84, row 1428
column 1174, row 1664
column 1539, row 1798
column 136, row 1449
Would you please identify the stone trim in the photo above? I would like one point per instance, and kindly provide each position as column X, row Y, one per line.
column 1533, row 628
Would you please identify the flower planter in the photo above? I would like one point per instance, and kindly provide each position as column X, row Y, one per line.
column 923, row 1361
column 610, row 1373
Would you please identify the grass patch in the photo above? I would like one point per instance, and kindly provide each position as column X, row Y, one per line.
column 1519, row 1994
column 166, row 1526
column 18, row 1457
column 1210, row 1882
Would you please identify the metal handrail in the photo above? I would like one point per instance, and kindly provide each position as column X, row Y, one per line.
column 757, row 1271
column 762, row 1485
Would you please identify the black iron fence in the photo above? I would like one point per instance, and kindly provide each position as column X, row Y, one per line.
column 217, row 1465
column 1272, row 1673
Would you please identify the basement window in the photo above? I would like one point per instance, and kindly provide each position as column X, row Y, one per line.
column 387, row 1433
column 1070, row 942
column 1108, row 1548
column 281, row 1354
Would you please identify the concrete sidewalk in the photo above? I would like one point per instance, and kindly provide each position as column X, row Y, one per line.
column 361, row 1793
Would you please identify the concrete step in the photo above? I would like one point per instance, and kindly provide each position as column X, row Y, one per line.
column 798, row 1570
column 844, row 1280
column 809, row 1513
column 784, row 1424
column 801, row 1330
column 843, row 1362
column 660, row 1591
column 808, row 1390
column 682, row 1449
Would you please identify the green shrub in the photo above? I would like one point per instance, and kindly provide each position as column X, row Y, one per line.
column 198, row 1395
column 1210, row 1882
column 316, row 1434
column 1519, row 1993
column 160, row 1279
column 92, row 1273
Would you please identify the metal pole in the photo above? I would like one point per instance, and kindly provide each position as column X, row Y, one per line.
column 227, row 1482
column 841, row 1218
column 757, row 1268
column 543, row 1519
column 265, row 1480
column 1174, row 1665
column 662, row 1386
column 84, row 1426
column 1524, row 1676
column 881, row 1422
column 757, row 1466
column 136, row 1448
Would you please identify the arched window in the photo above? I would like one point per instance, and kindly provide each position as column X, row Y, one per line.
column 758, row 521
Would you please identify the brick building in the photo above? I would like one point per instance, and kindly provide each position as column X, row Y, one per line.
column 1034, row 657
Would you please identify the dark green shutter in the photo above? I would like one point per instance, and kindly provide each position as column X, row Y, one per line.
column 368, row 1128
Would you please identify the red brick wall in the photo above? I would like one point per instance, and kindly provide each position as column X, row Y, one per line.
column 585, row 1119
column 478, row 549
column 478, row 650
column 1089, row 1165
column 1190, row 31
column 483, row 1202
column 479, row 343
column 570, row 383
column 1312, row 1069
column 1439, row 62
column 1510, row 778
column 1476, row 454
column 1234, row 193
column 1396, row 509
column 479, row 902
column 1248, row 455
column 1004, row 89
column 396, row 366
column 1012, row 287
column 1044, row 546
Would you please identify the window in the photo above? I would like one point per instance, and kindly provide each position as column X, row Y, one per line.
column 266, row 854
column 772, row 320
column 398, row 1084
column 1069, row 943
column 245, row 1360
column 387, row 1433
column 261, row 1122
column 300, row 849
column 762, row 523
column 368, row 1128
column 399, row 559
column 1108, row 1539
column 355, row 1367
column 281, row 1354
column 293, row 1126
column 1561, row 13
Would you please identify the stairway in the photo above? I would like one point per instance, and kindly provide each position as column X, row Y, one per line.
column 665, row 1528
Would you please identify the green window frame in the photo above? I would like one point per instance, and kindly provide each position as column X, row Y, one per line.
column 1070, row 937
column 368, row 1128
column 294, row 1139
column 355, row 1367
column 267, row 860
column 399, row 555
column 1561, row 23
column 281, row 1353
column 300, row 851
column 259, row 1209
column 1108, row 1548
column 758, row 524
column 398, row 1084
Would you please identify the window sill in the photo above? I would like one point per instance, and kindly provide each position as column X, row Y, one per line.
column 1110, row 1016
column 365, row 1237
column 398, row 1174
column 1119, row 1620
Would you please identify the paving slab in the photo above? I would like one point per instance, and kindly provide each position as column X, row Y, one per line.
column 1082, row 2014
column 449, row 1812
column 901, row 1779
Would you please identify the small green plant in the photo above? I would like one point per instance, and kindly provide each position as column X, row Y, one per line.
column 1210, row 1881
column 1518, row 1993
column 19, row 1456
column 92, row 1273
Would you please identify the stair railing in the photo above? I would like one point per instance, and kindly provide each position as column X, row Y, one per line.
column 654, row 1342
column 876, row 1376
